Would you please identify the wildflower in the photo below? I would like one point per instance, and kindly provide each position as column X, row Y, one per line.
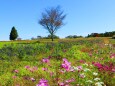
column 97, row 64
column 44, row 69
column 32, row 79
column 51, row 73
column 61, row 84
column 95, row 74
column 81, row 61
column 99, row 84
column 35, row 68
column 27, row 67
column 86, row 69
column 113, row 70
column 62, row 71
column 112, row 56
column 82, row 75
column 16, row 71
column 14, row 77
column 97, row 79
column 79, row 68
column 45, row 60
column 70, row 80
column 42, row 82
column 89, row 81
column 31, row 70
column 66, row 65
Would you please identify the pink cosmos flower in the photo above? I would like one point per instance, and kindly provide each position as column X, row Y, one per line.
column 27, row 67
column 79, row 68
column 61, row 84
column 66, row 65
column 112, row 56
column 44, row 69
column 70, row 80
column 51, row 73
column 97, row 64
column 42, row 82
column 32, row 79
column 14, row 77
column 45, row 60
column 16, row 71
column 113, row 70
column 31, row 69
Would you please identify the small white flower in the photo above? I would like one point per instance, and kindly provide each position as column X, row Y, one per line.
column 82, row 75
column 99, row 83
column 89, row 81
column 86, row 69
column 97, row 79
column 95, row 74
column 106, row 44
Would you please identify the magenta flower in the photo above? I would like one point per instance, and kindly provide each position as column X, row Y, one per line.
column 97, row 64
column 66, row 65
column 32, row 79
column 44, row 69
column 42, row 82
column 61, row 84
column 14, row 77
column 79, row 68
column 51, row 73
column 112, row 56
column 16, row 71
column 113, row 70
column 27, row 67
column 70, row 80
column 45, row 60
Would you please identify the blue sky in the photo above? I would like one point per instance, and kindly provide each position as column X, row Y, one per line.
column 83, row 17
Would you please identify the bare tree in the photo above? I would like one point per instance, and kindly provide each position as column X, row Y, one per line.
column 52, row 20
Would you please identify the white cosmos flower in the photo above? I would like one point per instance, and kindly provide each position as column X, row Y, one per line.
column 95, row 74
column 86, row 69
column 89, row 81
column 97, row 79
column 99, row 83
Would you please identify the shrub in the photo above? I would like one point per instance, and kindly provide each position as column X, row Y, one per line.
column 113, row 37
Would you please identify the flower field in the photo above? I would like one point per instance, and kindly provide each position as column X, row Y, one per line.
column 83, row 62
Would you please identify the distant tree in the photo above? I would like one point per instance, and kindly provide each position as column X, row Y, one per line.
column 106, row 34
column 13, row 34
column 52, row 20
column 39, row 37
column 33, row 38
column 54, row 36
column 74, row 36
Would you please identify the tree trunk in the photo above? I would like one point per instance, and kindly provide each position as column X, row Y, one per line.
column 52, row 37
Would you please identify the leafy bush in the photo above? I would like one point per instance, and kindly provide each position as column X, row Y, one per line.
column 113, row 37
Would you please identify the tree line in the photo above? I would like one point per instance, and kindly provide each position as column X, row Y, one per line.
column 106, row 34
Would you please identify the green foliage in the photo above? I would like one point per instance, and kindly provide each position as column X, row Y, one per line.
column 106, row 34
column 22, row 51
column 113, row 37
column 13, row 34
column 73, row 36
